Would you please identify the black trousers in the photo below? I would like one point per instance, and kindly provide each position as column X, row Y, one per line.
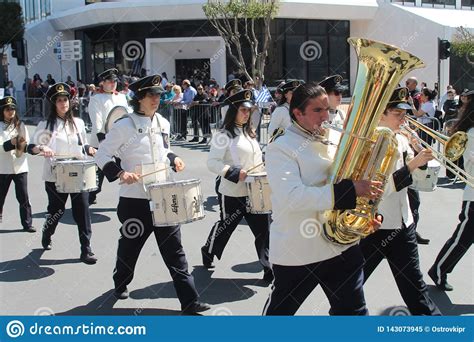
column 200, row 117
column 341, row 279
column 182, row 121
column 137, row 226
column 80, row 213
column 233, row 210
column 458, row 244
column 414, row 202
column 21, row 192
column 400, row 249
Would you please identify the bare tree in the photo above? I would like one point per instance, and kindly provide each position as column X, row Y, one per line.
column 463, row 44
column 236, row 22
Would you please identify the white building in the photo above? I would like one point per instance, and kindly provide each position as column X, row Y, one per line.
column 174, row 37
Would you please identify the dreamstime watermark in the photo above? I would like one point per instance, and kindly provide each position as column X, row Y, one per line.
column 310, row 50
column 133, row 50
column 222, row 311
column 221, row 140
column 127, row 144
column 44, row 311
column 50, row 44
column 214, row 57
column 311, row 228
column 133, row 228
column 399, row 311
column 385, row 242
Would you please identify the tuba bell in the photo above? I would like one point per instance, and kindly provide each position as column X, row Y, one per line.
column 367, row 152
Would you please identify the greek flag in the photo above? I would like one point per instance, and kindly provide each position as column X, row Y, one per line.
column 263, row 95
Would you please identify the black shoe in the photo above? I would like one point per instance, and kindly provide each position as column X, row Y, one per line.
column 30, row 229
column 207, row 258
column 121, row 293
column 194, row 308
column 421, row 241
column 203, row 141
column 92, row 201
column 88, row 258
column 46, row 242
column 268, row 276
column 194, row 140
column 180, row 138
column 442, row 283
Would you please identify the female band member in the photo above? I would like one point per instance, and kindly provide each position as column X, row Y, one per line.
column 233, row 151
column 140, row 138
column 280, row 117
column 63, row 135
column 13, row 163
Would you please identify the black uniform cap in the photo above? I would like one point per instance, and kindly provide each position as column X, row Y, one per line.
column 109, row 74
column 467, row 92
column 235, row 83
column 8, row 101
column 148, row 84
column 242, row 98
column 399, row 99
column 332, row 83
column 290, row 85
column 58, row 89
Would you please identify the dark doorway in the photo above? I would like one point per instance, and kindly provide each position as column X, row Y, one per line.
column 196, row 70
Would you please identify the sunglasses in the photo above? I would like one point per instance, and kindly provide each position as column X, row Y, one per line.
column 336, row 92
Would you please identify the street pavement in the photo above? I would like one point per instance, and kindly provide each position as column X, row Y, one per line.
column 37, row 282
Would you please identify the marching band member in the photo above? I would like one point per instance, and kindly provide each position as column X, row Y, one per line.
column 63, row 135
column 298, row 168
column 99, row 108
column 280, row 117
column 334, row 89
column 233, row 151
column 13, row 164
column 395, row 240
column 231, row 88
column 461, row 240
column 143, row 137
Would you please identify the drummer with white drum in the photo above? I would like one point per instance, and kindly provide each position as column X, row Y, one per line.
column 62, row 136
column 234, row 151
column 100, row 107
column 141, row 141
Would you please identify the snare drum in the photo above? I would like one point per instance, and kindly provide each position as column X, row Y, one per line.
column 73, row 176
column 258, row 193
column 174, row 203
column 430, row 179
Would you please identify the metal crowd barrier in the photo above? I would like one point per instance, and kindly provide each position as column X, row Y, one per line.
column 36, row 108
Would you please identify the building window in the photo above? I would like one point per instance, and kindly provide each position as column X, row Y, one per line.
column 439, row 3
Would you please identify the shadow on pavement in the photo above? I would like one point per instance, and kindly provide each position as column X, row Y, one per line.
column 31, row 267
column 104, row 306
column 68, row 219
column 446, row 306
column 251, row 267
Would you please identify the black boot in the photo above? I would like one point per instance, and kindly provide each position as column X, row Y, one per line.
column 420, row 240
column 441, row 283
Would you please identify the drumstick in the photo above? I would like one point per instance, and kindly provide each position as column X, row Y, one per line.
column 254, row 167
column 148, row 174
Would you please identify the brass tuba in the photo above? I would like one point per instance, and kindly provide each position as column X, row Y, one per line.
column 367, row 152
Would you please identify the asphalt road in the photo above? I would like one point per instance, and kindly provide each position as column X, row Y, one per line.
column 33, row 281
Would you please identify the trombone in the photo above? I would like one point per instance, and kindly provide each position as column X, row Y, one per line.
column 454, row 148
